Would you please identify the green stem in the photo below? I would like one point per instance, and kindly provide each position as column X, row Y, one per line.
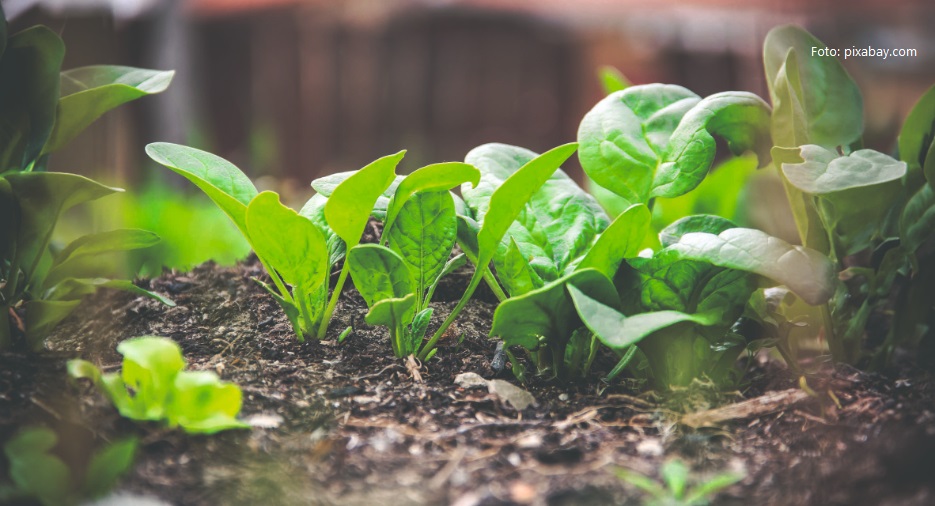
column 326, row 318
column 475, row 280
column 494, row 285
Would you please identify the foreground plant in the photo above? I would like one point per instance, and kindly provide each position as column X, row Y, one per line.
column 37, row 474
column 674, row 487
column 43, row 109
column 298, row 250
column 153, row 386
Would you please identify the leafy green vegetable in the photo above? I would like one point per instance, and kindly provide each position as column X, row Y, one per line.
column 297, row 249
column 659, row 140
column 917, row 137
column 545, row 319
column 612, row 80
column 153, row 386
column 36, row 285
column 675, row 489
column 505, row 205
column 38, row 474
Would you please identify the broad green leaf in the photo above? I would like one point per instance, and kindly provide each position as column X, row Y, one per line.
column 549, row 311
column 622, row 239
column 42, row 316
column 221, row 181
column 467, row 236
column 379, row 273
column 917, row 137
column 326, row 185
column 431, row 178
column 612, row 80
column 34, row 471
column 89, row 92
column 314, row 210
column 29, row 91
column 824, row 171
column 622, row 138
column 809, row 274
column 350, row 204
column 290, row 243
column 659, row 140
column 695, row 223
column 917, row 221
column 203, row 404
column 78, row 368
column 42, row 198
column 556, row 225
column 150, row 365
column 514, row 271
column 618, row 331
column 106, row 467
column 826, row 94
column 76, row 288
column 855, row 191
column 423, row 234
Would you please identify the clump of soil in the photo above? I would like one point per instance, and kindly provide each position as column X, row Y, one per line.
column 348, row 424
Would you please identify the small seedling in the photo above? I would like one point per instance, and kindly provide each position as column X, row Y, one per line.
column 153, row 386
column 674, row 489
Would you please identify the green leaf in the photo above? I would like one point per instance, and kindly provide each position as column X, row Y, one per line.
column 825, row 93
column 395, row 314
column 454, row 263
column 107, row 466
column 290, row 243
column 431, row 178
column 622, row 239
column 855, row 191
column 917, row 137
column 221, row 181
column 823, row 171
column 554, row 228
column 675, row 475
column 423, row 234
column 150, row 366
column 917, row 221
column 696, row 223
column 76, row 288
column 712, row 486
column 326, row 185
column 514, row 271
column 42, row 316
column 89, row 92
column 34, row 471
column 659, row 140
column 203, row 404
column 549, row 311
column 350, row 204
column 29, row 91
column 612, row 80
column 809, row 274
column 78, row 368
column 379, row 273
column 105, row 242
column 314, row 210
column 618, row 331
column 42, row 197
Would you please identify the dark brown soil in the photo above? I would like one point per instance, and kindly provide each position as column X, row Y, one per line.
column 347, row 424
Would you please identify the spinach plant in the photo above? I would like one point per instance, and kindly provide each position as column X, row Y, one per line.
column 298, row 250
column 398, row 280
column 865, row 210
column 43, row 109
column 679, row 304
column 560, row 231
column 675, row 489
column 153, row 386
column 37, row 474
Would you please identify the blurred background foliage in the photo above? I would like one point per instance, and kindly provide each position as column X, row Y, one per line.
column 290, row 90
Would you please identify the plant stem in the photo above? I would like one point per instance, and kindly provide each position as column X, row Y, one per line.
column 326, row 318
column 475, row 280
column 494, row 285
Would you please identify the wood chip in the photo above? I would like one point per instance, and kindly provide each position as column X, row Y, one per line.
column 765, row 404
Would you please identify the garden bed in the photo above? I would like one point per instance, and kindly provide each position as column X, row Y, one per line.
column 348, row 424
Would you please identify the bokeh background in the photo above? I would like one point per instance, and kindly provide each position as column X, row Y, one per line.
column 290, row 90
